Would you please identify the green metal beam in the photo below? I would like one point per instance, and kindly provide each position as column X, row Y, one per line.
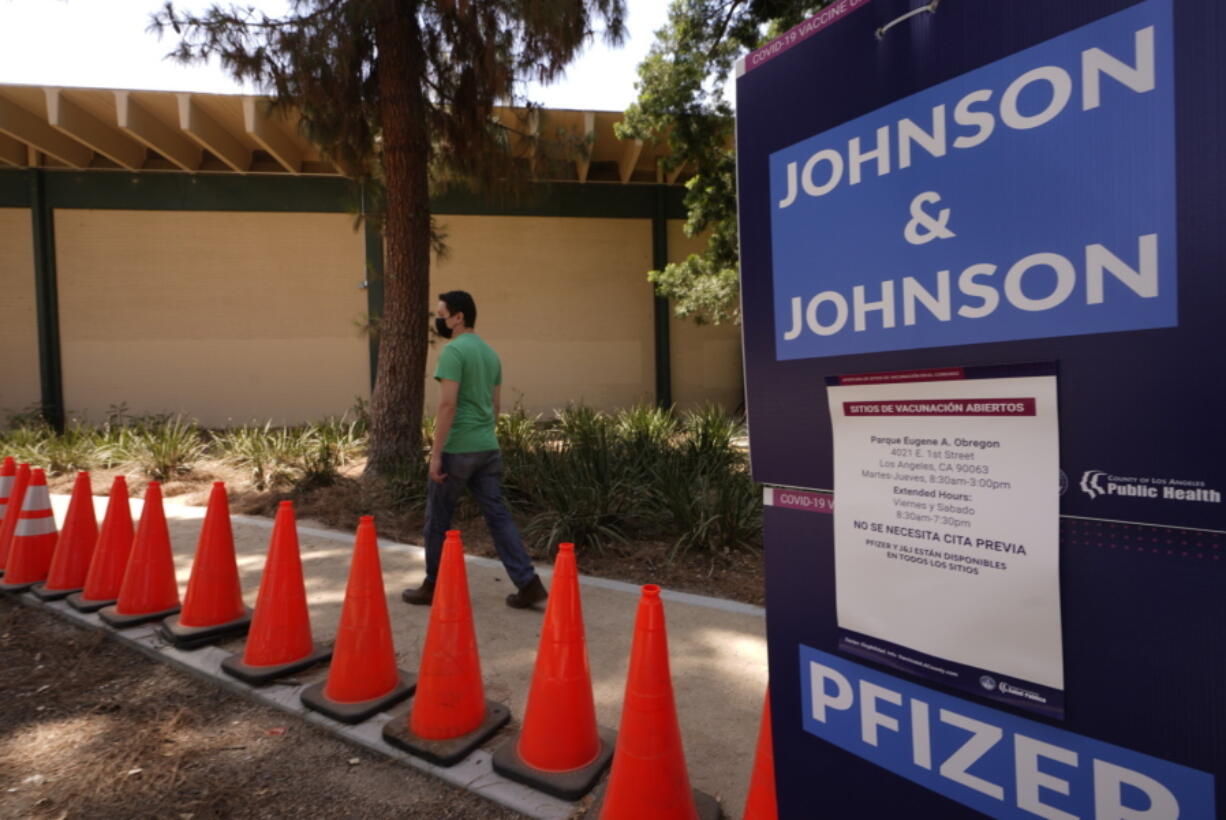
column 14, row 189
column 200, row 192
column 562, row 199
column 46, row 301
column 662, row 310
column 171, row 191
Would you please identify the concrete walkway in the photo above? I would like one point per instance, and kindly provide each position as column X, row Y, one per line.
column 717, row 648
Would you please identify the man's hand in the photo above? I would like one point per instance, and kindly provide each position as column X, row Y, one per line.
column 436, row 467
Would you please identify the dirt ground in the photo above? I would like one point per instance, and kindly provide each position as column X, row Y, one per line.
column 735, row 574
column 91, row 729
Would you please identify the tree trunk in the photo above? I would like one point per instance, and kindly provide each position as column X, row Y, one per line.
column 396, row 403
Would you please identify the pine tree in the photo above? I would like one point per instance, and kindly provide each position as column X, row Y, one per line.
column 399, row 92
column 681, row 101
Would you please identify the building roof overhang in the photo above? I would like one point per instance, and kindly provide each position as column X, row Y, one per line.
column 131, row 130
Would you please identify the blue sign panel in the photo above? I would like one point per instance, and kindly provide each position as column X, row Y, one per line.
column 1029, row 198
column 1002, row 765
column 1051, row 188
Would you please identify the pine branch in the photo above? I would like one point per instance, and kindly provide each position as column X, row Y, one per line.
column 234, row 19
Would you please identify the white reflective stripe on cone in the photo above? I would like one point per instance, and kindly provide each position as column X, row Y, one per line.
column 6, row 484
column 34, row 526
column 37, row 499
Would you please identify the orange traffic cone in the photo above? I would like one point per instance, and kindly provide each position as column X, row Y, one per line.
column 34, row 538
column 8, row 471
column 559, row 750
column 149, row 591
column 762, row 803
column 279, row 642
column 213, row 608
column 21, row 480
column 110, row 558
column 450, row 716
column 649, row 778
column 70, row 563
column 363, row 678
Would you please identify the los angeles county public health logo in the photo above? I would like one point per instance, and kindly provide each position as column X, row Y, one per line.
column 987, row 682
column 1100, row 483
column 1090, row 483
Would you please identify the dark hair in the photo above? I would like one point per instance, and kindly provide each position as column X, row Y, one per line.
column 459, row 301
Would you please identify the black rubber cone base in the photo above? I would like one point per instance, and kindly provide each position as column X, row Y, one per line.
column 111, row 617
column 444, row 752
column 17, row 587
column 86, row 605
column 194, row 637
column 263, row 675
column 313, row 698
column 569, row 785
column 43, row 594
column 708, row 807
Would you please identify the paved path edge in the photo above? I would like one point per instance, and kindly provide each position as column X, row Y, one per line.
column 475, row 773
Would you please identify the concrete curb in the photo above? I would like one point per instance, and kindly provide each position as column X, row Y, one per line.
column 475, row 773
column 545, row 572
column 190, row 512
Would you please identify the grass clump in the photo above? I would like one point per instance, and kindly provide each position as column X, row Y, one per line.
column 161, row 447
column 644, row 472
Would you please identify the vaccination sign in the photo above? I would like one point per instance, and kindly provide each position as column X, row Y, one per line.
column 982, row 294
column 1002, row 765
column 1031, row 197
column 946, row 534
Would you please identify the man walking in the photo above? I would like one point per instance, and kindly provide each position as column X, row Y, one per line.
column 465, row 451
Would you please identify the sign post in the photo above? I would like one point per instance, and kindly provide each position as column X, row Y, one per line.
column 982, row 299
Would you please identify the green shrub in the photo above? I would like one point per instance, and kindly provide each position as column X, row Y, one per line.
column 269, row 454
column 576, row 495
column 709, row 434
column 594, row 478
column 77, row 448
column 26, row 442
column 408, row 487
column 645, row 435
column 584, row 427
column 346, row 435
column 318, row 464
column 328, row 446
column 703, row 504
column 360, row 414
column 161, row 447
column 518, row 432
column 646, row 425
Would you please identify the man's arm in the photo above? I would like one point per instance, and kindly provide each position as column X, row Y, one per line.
column 449, row 392
column 497, row 402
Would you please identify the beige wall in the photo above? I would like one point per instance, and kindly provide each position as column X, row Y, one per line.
column 19, row 373
column 227, row 317
column 230, row 317
column 706, row 359
column 565, row 302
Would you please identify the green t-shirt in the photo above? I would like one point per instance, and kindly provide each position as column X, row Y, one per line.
column 467, row 359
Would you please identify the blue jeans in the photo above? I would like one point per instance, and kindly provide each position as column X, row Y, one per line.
column 481, row 473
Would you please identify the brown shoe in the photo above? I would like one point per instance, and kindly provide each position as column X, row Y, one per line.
column 422, row 596
column 533, row 593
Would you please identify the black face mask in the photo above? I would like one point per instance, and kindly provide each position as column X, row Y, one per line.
column 440, row 327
